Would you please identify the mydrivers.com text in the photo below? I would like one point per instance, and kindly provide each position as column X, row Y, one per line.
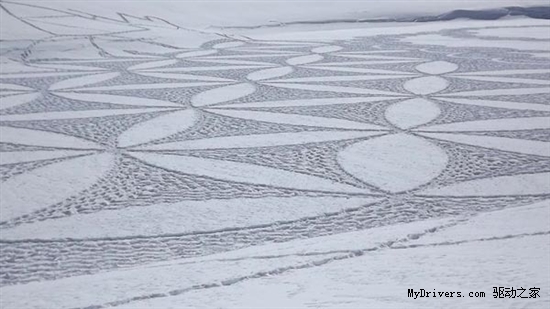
column 498, row 292
column 422, row 293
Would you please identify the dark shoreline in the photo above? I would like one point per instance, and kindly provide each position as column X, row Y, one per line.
column 536, row 12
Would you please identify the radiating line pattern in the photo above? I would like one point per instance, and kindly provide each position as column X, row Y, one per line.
column 187, row 152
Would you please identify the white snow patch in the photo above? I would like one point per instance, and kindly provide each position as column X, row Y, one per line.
column 412, row 113
column 51, row 184
column 379, row 161
column 184, row 217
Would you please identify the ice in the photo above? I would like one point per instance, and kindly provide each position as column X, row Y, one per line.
column 437, row 39
column 534, row 33
column 273, row 154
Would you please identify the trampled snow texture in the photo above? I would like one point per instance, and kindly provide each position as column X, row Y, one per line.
column 180, row 171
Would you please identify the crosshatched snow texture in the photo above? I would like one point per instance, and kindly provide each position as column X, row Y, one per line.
column 149, row 165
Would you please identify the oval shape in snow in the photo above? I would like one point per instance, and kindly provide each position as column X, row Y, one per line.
column 394, row 163
column 437, row 67
column 426, row 85
column 411, row 113
column 269, row 73
column 222, row 94
column 158, row 127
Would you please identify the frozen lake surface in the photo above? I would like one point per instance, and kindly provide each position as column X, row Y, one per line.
column 146, row 164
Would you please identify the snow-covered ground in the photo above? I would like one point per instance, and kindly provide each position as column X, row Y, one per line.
column 174, row 155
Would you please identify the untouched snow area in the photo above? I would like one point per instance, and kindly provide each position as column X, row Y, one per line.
column 269, row 154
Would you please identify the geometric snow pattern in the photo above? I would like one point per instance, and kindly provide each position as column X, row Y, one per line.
column 341, row 137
